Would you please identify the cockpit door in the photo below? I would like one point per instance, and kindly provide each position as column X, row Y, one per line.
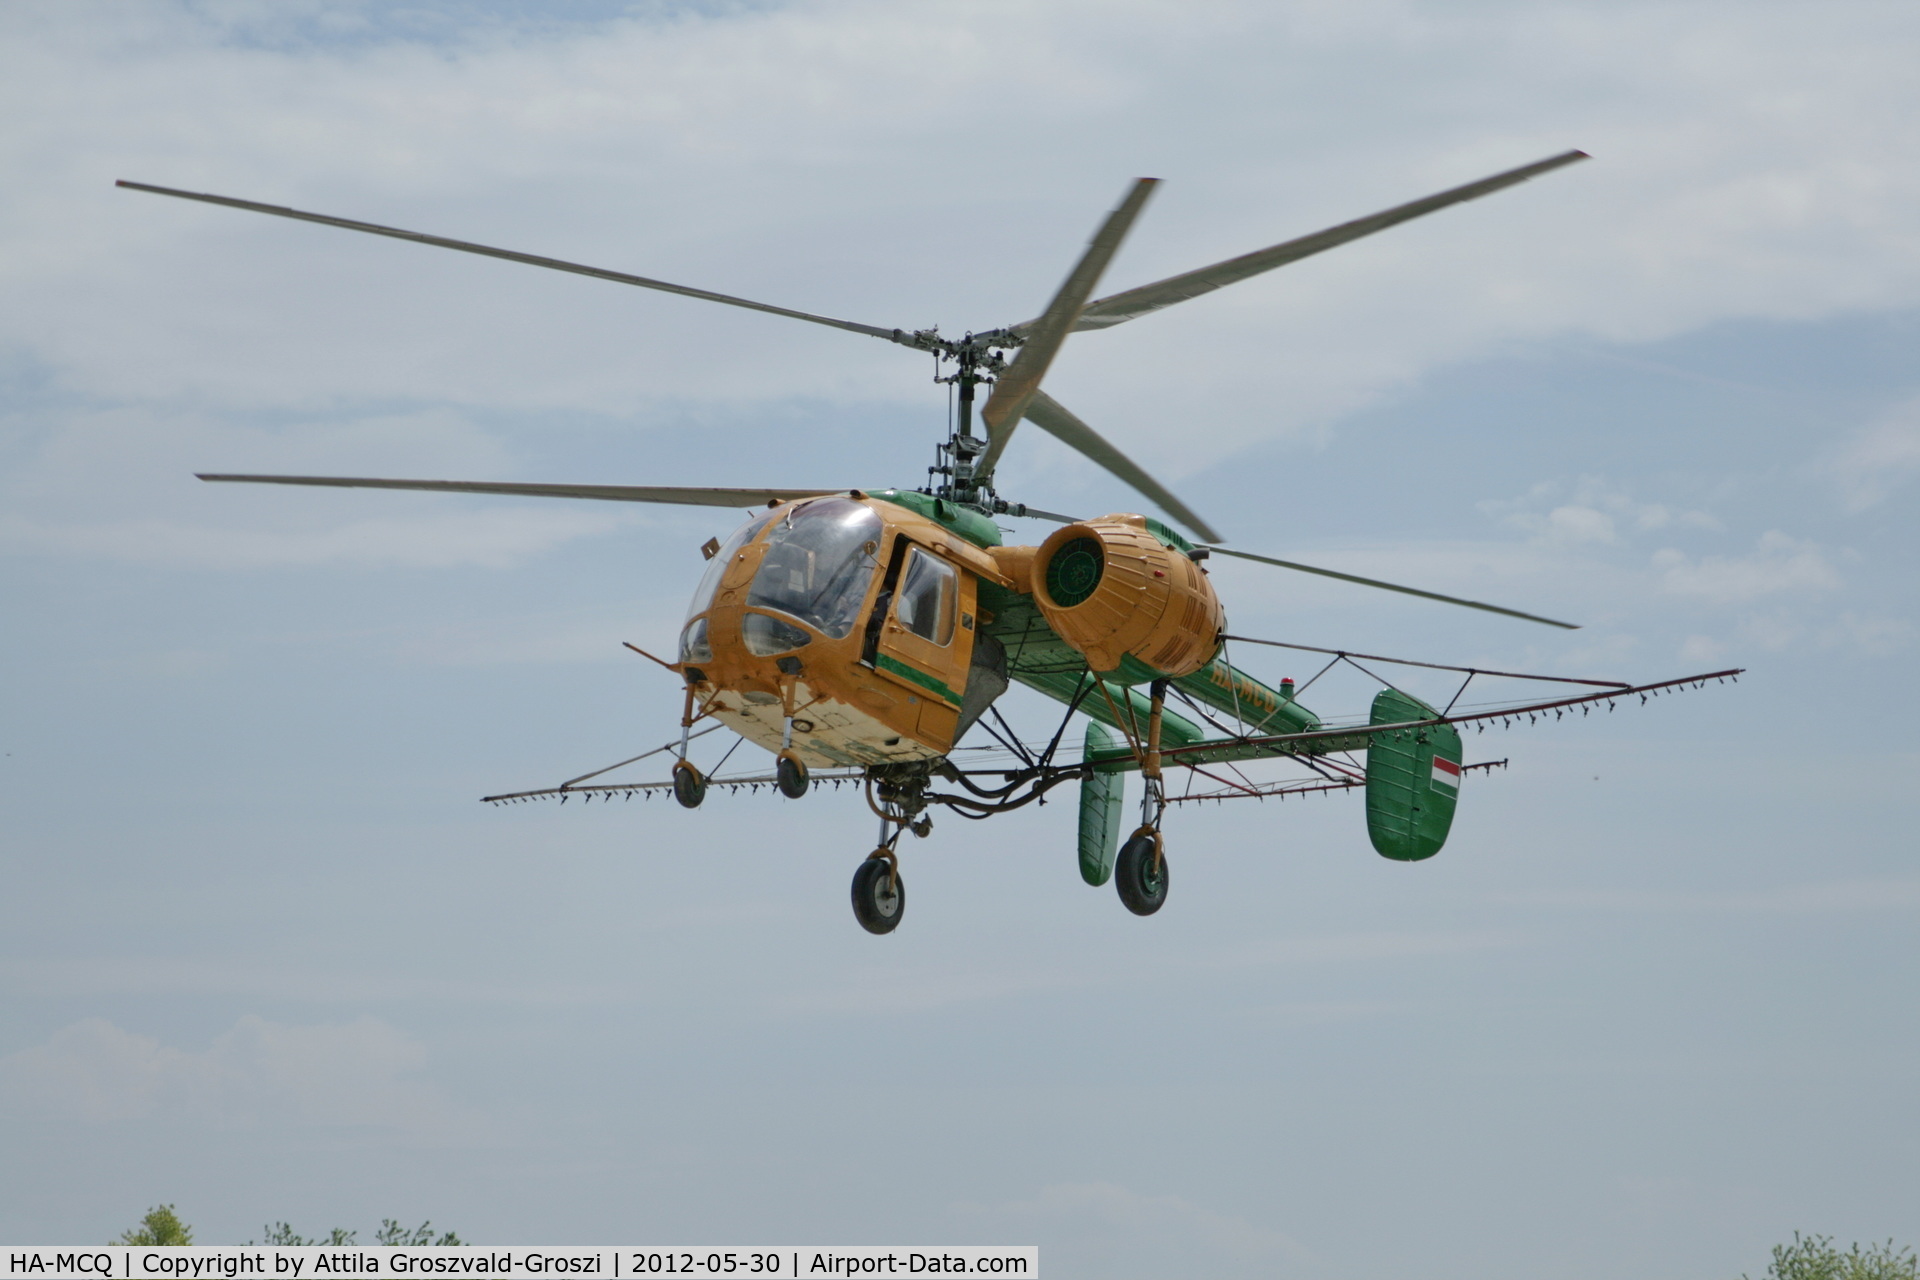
column 925, row 639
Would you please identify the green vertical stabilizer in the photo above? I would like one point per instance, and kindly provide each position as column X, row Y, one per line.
column 1101, row 796
column 1413, row 780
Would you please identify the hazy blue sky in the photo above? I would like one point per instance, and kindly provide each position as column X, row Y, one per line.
column 263, row 956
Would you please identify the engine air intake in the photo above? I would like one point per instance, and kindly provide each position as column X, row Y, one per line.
column 1075, row 570
column 1137, row 607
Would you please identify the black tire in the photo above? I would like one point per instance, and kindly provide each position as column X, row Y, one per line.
column 791, row 777
column 1142, row 888
column 689, row 788
column 879, row 896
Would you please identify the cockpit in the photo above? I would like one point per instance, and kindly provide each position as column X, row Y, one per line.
column 852, row 610
column 820, row 560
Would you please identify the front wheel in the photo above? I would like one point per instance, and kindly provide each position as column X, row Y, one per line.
column 791, row 777
column 879, row 896
column 1140, row 874
column 689, row 787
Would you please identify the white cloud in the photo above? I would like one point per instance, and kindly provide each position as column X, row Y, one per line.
column 1757, row 168
column 363, row 1073
column 1778, row 564
column 1701, row 649
column 490, row 539
column 1881, row 456
column 783, row 152
column 1875, row 636
column 1591, row 509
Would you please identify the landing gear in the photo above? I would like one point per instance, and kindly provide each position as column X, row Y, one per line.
column 790, row 775
column 897, row 796
column 879, row 895
column 689, row 785
column 1140, row 874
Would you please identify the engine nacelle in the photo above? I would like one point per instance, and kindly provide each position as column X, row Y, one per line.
column 1138, row 607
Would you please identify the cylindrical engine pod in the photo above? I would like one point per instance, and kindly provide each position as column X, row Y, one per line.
column 1138, row 607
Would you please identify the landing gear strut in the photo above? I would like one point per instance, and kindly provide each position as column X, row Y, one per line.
column 789, row 771
column 1140, row 873
column 689, row 784
column 897, row 796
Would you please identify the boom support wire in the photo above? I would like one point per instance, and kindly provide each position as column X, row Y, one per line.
column 1022, row 786
column 1349, row 655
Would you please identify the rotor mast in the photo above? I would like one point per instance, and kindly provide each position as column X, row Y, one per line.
column 955, row 475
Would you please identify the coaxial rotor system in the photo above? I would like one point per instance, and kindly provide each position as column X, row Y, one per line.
column 858, row 635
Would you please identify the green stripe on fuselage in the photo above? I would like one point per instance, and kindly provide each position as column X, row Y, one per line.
column 887, row 662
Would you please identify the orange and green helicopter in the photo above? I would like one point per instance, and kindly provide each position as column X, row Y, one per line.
column 859, row 635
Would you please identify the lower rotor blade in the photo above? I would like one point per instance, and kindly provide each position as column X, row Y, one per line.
column 1394, row 586
column 1056, row 420
column 1021, row 509
column 740, row 498
column 1015, row 388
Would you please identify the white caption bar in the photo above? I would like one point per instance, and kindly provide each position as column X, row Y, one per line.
column 570, row 1262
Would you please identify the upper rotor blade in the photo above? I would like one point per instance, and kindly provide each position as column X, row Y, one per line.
column 608, row 492
column 1120, row 307
column 1392, row 586
column 1015, row 388
column 1054, row 418
column 531, row 259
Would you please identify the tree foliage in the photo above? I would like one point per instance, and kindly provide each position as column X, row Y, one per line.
column 161, row 1226
column 390, row 1233
column 282, row 1233
column 1817, row 1258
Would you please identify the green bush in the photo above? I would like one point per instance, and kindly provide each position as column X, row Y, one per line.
column 390, row 1232
column 1816, row 1258
column 161, row 1226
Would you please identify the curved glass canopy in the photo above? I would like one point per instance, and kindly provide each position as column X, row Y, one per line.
column 820, row 559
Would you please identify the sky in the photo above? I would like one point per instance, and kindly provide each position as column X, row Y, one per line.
column 263, row 956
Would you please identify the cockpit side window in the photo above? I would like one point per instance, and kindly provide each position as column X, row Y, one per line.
column 717, row 567
column 926, row 598
column 819, row 563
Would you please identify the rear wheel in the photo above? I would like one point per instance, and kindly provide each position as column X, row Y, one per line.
column 879, row 896
column 1140, row 874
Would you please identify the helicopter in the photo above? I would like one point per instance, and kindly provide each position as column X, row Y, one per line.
column 858, row 635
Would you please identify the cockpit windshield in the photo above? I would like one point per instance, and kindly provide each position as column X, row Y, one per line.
column 820, row 559
column 717, row 567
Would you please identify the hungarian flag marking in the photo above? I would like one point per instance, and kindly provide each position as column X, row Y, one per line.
column 1446, row 774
